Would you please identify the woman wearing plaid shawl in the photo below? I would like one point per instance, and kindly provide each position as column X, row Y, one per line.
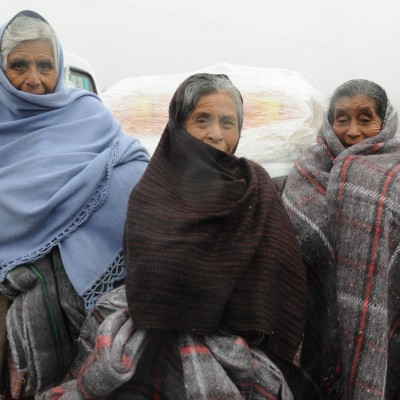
column 214, row 275
column 343, row 200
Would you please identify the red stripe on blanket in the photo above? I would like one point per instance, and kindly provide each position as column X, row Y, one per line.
column 103, row 341
column 396, row 326
column 310, row 178
column 126, row 362
column 241, row 342
column 265, row 393
column 370, row 274
column 326, row 148
column 188, row 350
column 374, row 149
column 342, row 179
column 368, row 343
column 57, row 391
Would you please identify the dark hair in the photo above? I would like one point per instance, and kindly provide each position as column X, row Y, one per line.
column 202, row 84
column 356, row 87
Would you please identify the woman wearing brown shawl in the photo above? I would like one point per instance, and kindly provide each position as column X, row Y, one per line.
column 213, row 270
column 343, row 200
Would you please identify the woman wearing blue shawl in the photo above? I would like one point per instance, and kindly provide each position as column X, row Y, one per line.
column 66, row 172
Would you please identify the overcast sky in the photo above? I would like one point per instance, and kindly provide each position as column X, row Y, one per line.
column 332, row 40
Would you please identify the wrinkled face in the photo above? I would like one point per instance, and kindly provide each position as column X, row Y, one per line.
column 214, row 121
column 355, row 119
column 31, row 67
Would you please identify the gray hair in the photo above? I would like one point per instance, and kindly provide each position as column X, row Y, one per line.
column 202, row 84
column 356, row 87
column 23, row 28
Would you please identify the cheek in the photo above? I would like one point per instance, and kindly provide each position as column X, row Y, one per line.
column 374, row 129
column 339, row 131
column 50, row 80
column 192, row 130
column 232, row 140
column 11, row 76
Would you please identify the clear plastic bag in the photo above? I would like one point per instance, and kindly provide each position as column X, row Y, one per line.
column 283, row 109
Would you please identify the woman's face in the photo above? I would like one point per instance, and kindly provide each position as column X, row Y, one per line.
column 214, row 121
column 31, row 67
column 355, row 119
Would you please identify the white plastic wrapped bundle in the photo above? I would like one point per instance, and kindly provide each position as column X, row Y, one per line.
column 283, row 109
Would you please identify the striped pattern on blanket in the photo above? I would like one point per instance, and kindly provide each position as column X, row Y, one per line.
column 153, row 364
column 344, row 205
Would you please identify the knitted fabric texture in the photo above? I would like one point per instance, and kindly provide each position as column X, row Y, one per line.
column 115, row 361
column 67, row 151
column 344, row 204
column 208, row 244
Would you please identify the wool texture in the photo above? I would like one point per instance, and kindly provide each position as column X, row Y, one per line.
column 67, row 151
column 208, row 244
column 4, row 302
column 121, row 363
column 344, row 205
column 43, row 321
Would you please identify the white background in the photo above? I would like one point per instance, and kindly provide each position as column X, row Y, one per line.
column 332, row 40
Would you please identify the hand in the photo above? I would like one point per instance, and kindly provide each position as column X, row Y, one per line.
column 115, row 356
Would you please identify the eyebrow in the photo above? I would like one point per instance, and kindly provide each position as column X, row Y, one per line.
column 365, row 110
column 362, row 110
column 340, row 111
column 208, row 113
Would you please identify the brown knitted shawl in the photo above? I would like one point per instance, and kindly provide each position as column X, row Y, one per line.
column 208, row 244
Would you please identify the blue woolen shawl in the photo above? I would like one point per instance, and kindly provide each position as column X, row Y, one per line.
column 66, row 171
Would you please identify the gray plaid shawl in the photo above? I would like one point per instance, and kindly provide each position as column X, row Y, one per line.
column 344, row 205
column 116, row 361
column 43, row 320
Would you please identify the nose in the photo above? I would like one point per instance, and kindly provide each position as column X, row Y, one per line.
column 32, row 79
column 353, row 130
column 215, row 133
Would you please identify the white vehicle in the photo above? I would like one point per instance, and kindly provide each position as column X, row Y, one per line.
column 80, row 73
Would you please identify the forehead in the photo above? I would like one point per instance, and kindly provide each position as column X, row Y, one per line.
column 33, row 47
column 219, row 101
column 355, row 103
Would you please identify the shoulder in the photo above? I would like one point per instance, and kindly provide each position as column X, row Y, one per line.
column 259, row 171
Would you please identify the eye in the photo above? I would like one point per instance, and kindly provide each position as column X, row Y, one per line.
column 341, row 120
column 228, row 122
column 365, row 120
column 45, row 66
column 202, row 121
column 18, row 65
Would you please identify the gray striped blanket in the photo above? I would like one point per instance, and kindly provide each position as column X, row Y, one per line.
column 117, row 362
column 344, row 205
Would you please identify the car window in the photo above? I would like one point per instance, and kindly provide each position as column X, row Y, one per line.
column 82, row 79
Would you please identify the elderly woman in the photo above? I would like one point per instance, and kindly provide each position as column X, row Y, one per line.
column 66, row 173
column 214, row 276
column 343, row 200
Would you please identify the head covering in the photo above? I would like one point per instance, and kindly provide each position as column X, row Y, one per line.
column 343, row 203
column 66, row 170
column 208, row 244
